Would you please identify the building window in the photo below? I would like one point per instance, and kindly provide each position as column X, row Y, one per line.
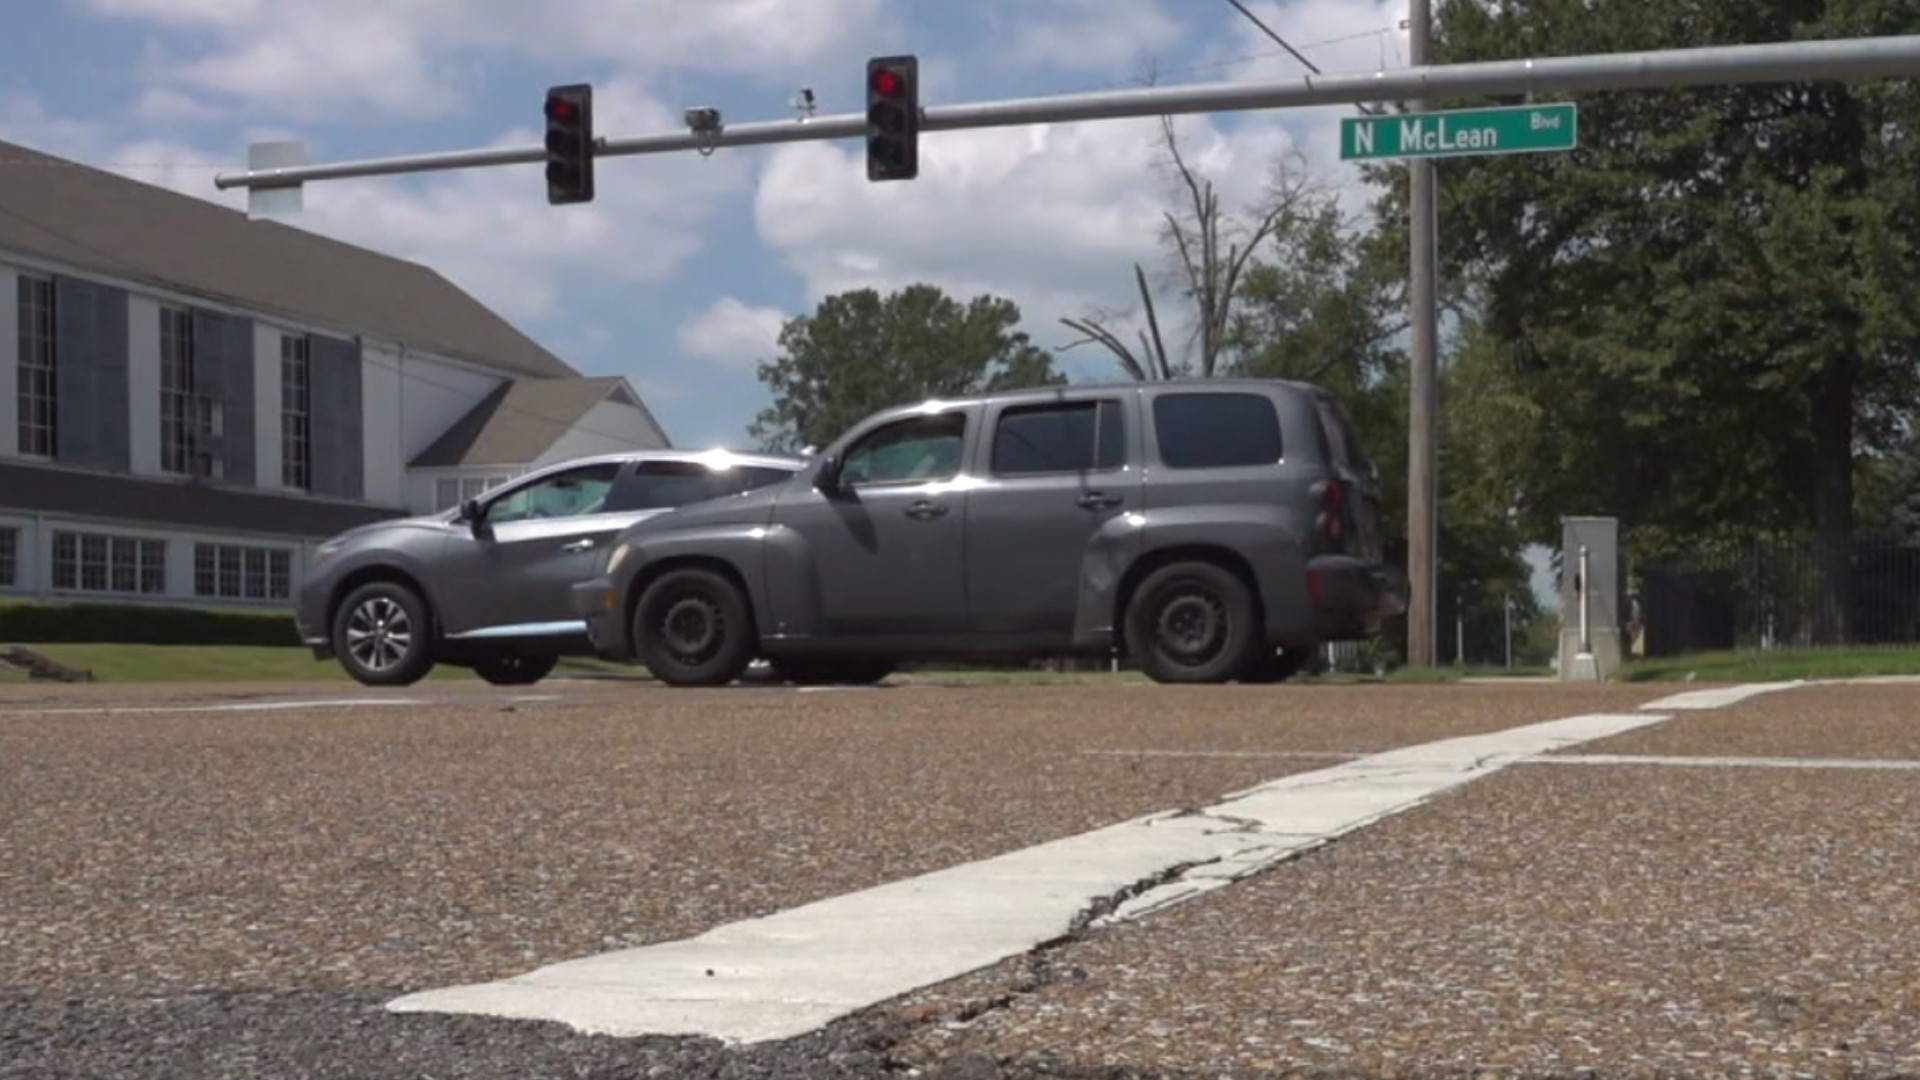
column 296, row 438
column 452, row 491
column 9, row 557
column 237, row 572
column 99, row 562
column 37, row 388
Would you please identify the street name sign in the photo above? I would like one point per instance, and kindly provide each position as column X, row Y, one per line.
column 1506, row 129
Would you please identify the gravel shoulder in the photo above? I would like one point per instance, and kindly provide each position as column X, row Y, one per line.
column 1628, row 920
column 413, row 847
column 235, row 894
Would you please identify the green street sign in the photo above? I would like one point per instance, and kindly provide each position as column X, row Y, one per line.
column 1507, row 129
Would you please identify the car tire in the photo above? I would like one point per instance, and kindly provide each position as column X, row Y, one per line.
column 832, row 671
column 1266, row 667
column 383, row 635
column 514, row 669
column 1192, row 622
column 693, row 628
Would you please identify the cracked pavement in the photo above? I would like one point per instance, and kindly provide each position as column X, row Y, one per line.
column 241, row 894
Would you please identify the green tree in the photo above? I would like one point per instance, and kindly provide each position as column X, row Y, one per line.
column 860, row 352
column 1704, row 314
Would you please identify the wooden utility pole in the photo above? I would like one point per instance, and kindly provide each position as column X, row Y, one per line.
column 1423, row 539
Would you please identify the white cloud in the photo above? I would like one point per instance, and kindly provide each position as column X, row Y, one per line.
column 733, row 332
column 309, row 59
column 1051, row 216
column 1340, row 37
column 1092, row 35
column 1055, row 216
column 489, row 230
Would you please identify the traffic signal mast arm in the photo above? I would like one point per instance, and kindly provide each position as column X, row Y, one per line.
column 1846, row 58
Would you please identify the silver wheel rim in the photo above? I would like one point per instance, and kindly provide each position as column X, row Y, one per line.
column 379, row 634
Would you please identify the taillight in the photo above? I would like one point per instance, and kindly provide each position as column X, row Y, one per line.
column 1331, row 523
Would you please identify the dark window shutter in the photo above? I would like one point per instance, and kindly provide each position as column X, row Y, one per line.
column 223, row 371
column 90, row 354
column 333, row 373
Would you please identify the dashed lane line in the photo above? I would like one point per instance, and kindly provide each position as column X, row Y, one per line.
column 1722, row 762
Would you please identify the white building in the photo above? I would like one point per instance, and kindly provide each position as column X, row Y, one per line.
column 190, row 399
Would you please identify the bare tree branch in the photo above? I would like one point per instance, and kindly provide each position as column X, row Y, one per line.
column 1153, row 323
column 1095, row 334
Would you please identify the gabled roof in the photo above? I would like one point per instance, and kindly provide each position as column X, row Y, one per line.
column 95, row 220
column 522, row 419
column 54, row 490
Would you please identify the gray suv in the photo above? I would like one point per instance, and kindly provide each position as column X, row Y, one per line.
column 1211, row 530
column 484, row 585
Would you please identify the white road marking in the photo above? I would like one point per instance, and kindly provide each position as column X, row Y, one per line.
column 205, row 707
column 1718, row 696
column 791, row 972
column 275, row 705
column 1684, row 761
column 1336, row 755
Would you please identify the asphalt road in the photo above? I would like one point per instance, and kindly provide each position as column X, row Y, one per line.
column 194, row 885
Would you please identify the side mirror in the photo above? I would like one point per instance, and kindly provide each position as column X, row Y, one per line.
column 470, row 513
column 828, row 478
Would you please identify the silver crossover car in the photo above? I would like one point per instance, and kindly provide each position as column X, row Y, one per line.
column 485, row 585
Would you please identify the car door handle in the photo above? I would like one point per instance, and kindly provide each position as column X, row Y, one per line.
column 924, row 510
column 1098, row 500
column 577, row 545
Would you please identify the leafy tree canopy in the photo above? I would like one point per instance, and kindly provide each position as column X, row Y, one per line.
column 860, row 352
column 1700, row 317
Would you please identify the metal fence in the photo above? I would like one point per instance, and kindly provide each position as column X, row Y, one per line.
column 1774, row 593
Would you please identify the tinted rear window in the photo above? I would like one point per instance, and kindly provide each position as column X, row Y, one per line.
column 1079, row 436
column 1216, row 429
column 664, row 485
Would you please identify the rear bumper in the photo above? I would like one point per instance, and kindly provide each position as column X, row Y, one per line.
column 598, row 602
column 1351, row 599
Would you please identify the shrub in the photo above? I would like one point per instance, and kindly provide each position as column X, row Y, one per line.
column 138, row 624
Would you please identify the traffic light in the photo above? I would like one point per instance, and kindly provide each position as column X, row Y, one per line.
column 569, row 112
column 893, row 118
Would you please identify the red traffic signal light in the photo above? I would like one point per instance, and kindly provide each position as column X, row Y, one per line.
column 893, row 118
column 569, row 112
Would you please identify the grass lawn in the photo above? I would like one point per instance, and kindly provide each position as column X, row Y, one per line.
column 1778, row 665
column 243, row 663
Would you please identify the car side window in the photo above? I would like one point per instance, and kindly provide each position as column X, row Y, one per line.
column 1059, row 437
column 916, row 450
column 1213, row 429
column 572, row 493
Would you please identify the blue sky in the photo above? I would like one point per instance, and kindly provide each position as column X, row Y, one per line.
column 678, row 275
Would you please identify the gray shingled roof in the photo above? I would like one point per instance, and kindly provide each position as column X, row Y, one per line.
column 38, row 489
column 93, row 219
column 522, row 419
